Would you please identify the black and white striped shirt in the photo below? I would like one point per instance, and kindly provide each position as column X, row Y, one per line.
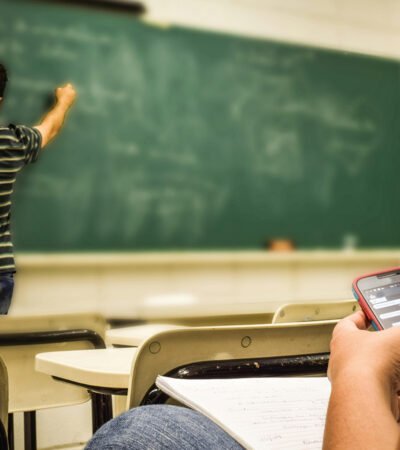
column 19, row 145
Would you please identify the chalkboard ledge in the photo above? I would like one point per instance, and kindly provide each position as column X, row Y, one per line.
column 205, row 258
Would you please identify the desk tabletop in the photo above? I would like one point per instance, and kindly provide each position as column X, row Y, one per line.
column 108, row 368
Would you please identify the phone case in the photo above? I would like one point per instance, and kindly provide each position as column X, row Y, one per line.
column 363, row 304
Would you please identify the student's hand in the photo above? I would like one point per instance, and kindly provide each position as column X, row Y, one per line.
column 363, row 410
column 66, row 94
column 356, row 352
column 353, row 348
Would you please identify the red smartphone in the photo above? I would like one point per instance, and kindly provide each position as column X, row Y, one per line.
column 379, row 297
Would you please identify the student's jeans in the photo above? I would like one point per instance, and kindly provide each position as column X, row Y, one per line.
column 6, row 291
column 161, row 427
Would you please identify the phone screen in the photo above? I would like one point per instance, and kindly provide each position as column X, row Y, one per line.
column 384, row 301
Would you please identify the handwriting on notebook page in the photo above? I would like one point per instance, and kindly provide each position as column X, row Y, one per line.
column 261, row 413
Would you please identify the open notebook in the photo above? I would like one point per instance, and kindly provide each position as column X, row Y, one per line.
column 260, row 413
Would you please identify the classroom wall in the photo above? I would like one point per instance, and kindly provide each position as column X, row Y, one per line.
column 152, row 286
column 365, row 26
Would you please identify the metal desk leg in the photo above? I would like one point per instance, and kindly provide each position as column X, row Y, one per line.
column 11, row 431
column 30, row 430
column 101, row 409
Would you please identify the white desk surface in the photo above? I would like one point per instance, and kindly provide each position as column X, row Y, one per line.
column 108, row 368
column 135, row 335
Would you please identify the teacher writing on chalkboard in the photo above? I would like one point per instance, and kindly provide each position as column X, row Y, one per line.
column 21, row 145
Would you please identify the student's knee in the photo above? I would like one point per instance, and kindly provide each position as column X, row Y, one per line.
column 146, row 427
column 161, row 427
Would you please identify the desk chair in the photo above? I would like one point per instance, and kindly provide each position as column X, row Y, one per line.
column 249, row 350
column 3, row 406
column 134, row 336
column 308, row 312
column 231, row 351
column 30, row 391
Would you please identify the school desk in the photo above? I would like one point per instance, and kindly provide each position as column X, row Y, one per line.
column 104, row 372
column 248, row 348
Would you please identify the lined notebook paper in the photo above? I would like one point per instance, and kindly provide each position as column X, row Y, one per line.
column 260, row 413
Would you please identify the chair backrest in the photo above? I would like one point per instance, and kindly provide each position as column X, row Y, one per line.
column 50, row 322
column 168, row 350
column 136, row 335
column 21, row 339
column 3, row 403
column 308, row 312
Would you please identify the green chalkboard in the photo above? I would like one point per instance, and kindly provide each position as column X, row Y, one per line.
column 191, row 140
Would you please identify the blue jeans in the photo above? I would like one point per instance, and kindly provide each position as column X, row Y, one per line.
column 6, row 291
column 161, row 427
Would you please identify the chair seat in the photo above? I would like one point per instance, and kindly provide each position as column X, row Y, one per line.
column 103, row 368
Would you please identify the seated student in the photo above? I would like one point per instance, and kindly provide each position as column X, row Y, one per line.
column 363, row 410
